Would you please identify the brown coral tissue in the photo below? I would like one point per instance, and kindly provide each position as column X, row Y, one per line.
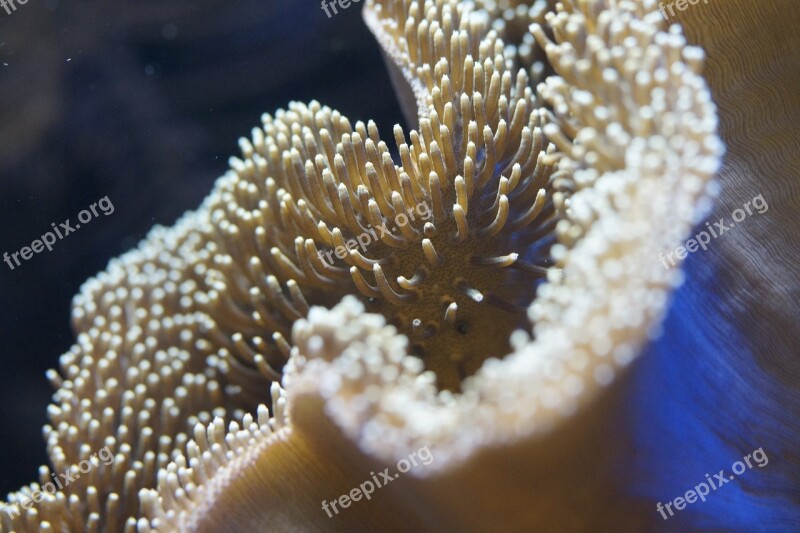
column 515, row 287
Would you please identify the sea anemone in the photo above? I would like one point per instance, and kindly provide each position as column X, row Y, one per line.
column 335, row 304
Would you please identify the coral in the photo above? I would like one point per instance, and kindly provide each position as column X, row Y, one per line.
column 498, row 331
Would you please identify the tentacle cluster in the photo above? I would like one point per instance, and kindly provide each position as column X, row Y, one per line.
column 214, row 449
column 136, row 381
column 317, row 209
